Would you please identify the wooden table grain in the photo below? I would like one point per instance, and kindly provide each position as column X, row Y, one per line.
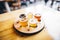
column 7, row 32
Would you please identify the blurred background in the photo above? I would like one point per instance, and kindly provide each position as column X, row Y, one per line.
column 10, row 5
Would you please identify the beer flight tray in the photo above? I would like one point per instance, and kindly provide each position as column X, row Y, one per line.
column 28, row 26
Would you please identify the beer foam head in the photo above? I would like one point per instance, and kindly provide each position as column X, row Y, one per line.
column 22, row 19
column 37, row 14
column 33, row 21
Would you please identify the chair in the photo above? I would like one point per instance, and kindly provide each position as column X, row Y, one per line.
column 23, row 2
column 17, row 4
column 2, row 8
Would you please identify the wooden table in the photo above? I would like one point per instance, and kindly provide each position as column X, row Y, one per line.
column 7, row 32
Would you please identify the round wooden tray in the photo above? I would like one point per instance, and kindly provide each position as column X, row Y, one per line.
column 38, row 29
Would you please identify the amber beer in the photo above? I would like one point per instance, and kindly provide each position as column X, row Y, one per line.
column 38, row 17
column 23, row 22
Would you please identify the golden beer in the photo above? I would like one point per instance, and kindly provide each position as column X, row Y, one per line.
column 33, row 23
column 30, row 15
column 23, row 22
